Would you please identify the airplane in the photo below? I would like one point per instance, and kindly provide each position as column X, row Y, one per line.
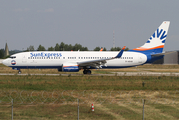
column 74, row 61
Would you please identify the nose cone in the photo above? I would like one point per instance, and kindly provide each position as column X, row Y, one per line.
column 5, row 62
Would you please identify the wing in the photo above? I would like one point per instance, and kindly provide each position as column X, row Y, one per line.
column 100, row 62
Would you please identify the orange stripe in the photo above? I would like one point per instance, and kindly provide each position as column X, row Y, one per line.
column 141, row 48
column 71, row 66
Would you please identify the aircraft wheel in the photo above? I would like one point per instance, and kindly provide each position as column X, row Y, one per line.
column 89, row 72
column 84, row 71
column 19, row 72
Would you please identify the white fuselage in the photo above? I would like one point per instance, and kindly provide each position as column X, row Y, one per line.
column 56, row 59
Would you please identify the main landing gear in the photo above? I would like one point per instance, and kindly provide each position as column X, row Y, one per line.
column 87, row 71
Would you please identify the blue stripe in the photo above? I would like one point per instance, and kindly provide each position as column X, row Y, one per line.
column 57, row 67
column 148, row 53
column 36, row 67
column 151, row 59
column 158, row 50
column 71, row 69
column 113, row 67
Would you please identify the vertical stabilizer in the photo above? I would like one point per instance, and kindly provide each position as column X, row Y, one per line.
column 156, row 42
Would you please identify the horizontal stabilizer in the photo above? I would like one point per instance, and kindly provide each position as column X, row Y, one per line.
column 164, row 53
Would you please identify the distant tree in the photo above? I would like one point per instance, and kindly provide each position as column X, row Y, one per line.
column 84, row 49
column 97, row 49
column 126, row 49
column 57, row 47
column 77, row 47
column 11, row 52
column 66, row 47
column 1, row 53
column 30, row 48
column 118, row 49
column 115, row 49
column 50, row 49
column 41, row 48
column 104, row 49
column 70, row 47
column 112, row 49
column 62, row 45
column 8, row 56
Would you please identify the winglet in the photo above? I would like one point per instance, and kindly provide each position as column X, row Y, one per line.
column 121, row 52
column 101, row 49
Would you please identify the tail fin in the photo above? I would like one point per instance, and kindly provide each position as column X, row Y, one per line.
column 156, row 42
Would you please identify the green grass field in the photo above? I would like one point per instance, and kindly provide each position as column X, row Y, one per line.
column 114, row 97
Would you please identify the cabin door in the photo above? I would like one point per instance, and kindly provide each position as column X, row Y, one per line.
column 24, row 59
column 139, row 58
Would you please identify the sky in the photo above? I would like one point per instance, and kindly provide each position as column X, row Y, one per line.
column 87, row 22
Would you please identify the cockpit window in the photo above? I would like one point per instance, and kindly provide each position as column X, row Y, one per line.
column 12, row 57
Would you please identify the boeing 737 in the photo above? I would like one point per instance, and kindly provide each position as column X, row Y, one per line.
column 73, row 61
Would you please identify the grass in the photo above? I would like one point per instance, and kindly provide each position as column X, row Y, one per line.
column 142, row 68
column 123, row 111
column 114, row 97
column 51, row 83
column 170, row 110
column 48, row 112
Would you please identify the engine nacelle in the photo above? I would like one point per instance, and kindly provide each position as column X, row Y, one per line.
column 70, row 67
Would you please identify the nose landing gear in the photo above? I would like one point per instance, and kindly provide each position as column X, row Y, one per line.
column 19, row 71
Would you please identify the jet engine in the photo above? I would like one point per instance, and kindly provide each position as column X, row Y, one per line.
column 69, row 67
